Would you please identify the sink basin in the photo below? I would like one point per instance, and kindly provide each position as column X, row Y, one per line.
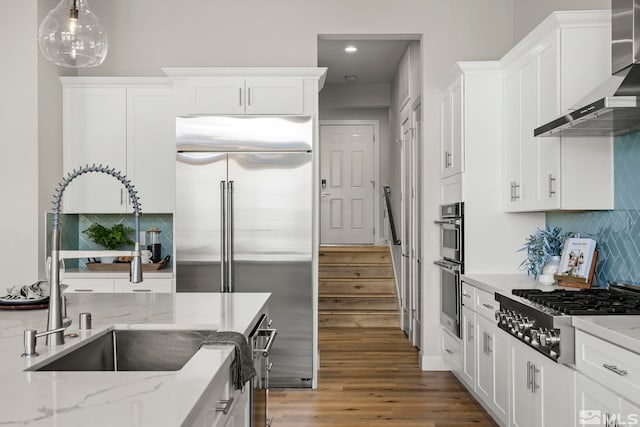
column 132, row 350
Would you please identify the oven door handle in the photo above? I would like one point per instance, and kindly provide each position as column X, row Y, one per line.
column 267, row 348
column 447, row 265
column 446, row 221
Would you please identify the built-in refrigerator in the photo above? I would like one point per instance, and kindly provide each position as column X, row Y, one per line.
column 243, row 223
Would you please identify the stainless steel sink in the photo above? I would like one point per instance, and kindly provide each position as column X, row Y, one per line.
column 132, row 350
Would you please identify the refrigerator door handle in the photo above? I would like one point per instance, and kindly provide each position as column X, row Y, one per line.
column 230, row 265
column 223, row 237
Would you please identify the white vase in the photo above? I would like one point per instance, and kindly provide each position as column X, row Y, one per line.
column 549, row 269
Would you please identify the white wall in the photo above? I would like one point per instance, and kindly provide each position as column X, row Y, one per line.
column 18, row 162
column 373, row 95
column 528, row 14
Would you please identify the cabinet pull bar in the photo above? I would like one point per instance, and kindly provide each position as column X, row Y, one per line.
column 227, row 406
column 83, row 290
column 240, row 96
column 121, row 196
column 489, row 306
column 141, row 290
column 469, row 334
column 534, row 371
column 551, row 179
column 248, row 97
column 489, row 344
column 528, row 375
column 614, row 368
column 448, row 351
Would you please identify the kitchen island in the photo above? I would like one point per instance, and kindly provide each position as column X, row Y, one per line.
column 167, row 398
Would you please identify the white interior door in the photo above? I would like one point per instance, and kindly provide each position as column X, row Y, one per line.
column 346, row 184
column 405, row 287
column 416, row 231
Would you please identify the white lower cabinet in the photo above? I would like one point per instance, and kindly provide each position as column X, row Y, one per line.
column 492, row 374
column 541, row 390
column 108, row 285
column 468, row 347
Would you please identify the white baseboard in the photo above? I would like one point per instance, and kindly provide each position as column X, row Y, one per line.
column 433, row 363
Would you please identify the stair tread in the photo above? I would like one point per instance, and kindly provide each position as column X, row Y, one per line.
column 354, row 249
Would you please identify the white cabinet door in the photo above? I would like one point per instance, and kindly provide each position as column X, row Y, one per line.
column 484, row 371
column 499, row 347
column 511, row 141
column 548, row 148
column 468, row 347
column 213, row 96
column 526, row 405
column 595, row 404
column 151, row 146
column 274, row 96
column 529, row 160
column 94, row 131
column 452, row 129
column 556, row 383
column 445, row 133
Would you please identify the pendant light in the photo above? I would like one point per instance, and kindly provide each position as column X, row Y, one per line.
column 72, row 36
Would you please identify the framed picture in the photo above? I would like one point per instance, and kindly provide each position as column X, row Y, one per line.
column 577, row 263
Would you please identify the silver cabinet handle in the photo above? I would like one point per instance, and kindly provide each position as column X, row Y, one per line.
column 448, row 351
column 248, row 96
column 141, row 290
column 469, row 331
column 466, row 295
column 240, row 96
column 614, row 368
column 534, row 371
column 489, row 306
column 227, row 406
column 516, row 191
column 122, row 196
column 551, row 191
column 223, row 237
column 267, row 348
column 489, row 344
column 485, row 343
column 528, row 375
column 83, row 290
column 230, row 275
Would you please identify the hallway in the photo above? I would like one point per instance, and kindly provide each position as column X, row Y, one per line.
column 371, row 377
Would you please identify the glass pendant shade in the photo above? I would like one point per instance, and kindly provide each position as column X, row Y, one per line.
column 72, row 36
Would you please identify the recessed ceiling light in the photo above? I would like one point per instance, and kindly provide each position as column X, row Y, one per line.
column 351, row 78
column 350, row 49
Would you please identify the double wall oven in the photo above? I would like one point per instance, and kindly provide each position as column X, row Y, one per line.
column 451, row 265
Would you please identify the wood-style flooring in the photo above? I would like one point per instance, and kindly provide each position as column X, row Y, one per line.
column 371, row 377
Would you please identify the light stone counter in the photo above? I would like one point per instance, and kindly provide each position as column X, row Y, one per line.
column 620, row 330
column 118, row 398
column 503, row 282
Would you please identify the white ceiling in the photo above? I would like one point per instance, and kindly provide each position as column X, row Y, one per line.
column 376, row 61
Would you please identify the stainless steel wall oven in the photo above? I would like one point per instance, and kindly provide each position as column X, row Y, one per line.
column 451, row 265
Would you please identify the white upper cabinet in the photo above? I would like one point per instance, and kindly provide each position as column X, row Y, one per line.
column 451, row 129
column 549, row 71
column 126, row 124
column 239, row 91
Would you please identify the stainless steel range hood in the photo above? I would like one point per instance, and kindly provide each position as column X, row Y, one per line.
column 613, row 108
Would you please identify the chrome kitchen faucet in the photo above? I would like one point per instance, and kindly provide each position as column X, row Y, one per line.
column 54, row 322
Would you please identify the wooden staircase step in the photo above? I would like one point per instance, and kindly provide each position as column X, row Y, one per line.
column 358, row 303
column 359, row 319
column 345, row 248
column 354, row 258
column 357, row 286
column 346, row 272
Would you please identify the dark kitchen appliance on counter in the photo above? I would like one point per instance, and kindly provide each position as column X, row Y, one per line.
column 244, row 223
column 451, row 265
column 542, row 319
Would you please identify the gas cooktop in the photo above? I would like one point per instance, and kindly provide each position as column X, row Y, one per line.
column 584, row 301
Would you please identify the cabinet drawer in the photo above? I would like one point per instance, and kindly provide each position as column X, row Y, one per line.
column 147, row 285
column 451, row 350
column 468, row 295
column 486, row 305
column 609, row 364
column 88, row 285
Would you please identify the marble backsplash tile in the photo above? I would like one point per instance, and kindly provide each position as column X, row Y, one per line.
column 617, row 231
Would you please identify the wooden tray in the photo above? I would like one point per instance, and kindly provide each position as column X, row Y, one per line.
column 124, row 266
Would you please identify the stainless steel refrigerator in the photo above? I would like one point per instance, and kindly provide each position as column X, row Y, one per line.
column 243, row 223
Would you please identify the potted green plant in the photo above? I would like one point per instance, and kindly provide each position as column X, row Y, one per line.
column 542, row 247
column 109, row 238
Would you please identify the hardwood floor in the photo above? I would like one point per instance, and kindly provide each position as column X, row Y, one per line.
column 371, row 377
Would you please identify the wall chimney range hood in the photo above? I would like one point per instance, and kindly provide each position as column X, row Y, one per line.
column 613, row 108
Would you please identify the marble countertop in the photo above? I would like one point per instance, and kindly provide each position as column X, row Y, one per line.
column 118, row 398
column 623, row 331
column 502, row 282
